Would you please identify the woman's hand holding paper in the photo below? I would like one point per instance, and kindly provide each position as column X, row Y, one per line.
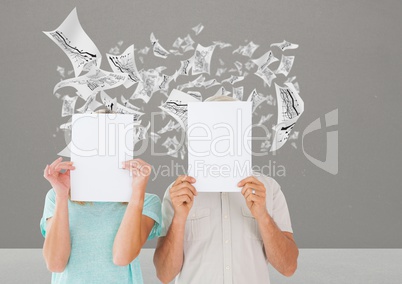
column 140, row 171
column 59, row 181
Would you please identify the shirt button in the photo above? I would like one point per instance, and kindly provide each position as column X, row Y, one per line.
column 226, row 216
column 193, row 215
column 227, row 241
column 228, row 267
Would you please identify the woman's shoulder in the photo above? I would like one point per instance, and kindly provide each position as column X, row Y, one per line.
column 151, row 198
column 51, row 195
column 152, row 206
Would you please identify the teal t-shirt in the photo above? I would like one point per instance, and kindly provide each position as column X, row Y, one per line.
column 93, row 228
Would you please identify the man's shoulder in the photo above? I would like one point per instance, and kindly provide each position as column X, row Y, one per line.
column 166, row 194
column 270, row 181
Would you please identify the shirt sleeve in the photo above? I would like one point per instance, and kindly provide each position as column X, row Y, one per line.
column 280, row 212
column 48, row 210
column 167, row 212
column 152, row 209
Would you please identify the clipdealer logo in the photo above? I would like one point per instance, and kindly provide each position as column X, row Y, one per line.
column 330, row 164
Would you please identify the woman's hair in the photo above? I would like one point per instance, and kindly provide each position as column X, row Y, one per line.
column 221, row 98
column 103, row 110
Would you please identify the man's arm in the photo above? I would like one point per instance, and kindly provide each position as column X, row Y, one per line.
column 168, row 257
column 280, row 247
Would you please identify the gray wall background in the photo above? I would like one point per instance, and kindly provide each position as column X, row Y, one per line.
column 349, row 58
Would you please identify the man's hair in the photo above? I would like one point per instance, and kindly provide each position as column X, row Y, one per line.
column 220, row 98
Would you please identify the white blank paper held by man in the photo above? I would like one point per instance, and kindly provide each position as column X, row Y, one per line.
column 219, row 144
column 100, row 143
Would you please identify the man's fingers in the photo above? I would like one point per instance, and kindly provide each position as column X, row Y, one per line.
column 259, row 190
column 250, row 179
column 184, row 185
column 178, row 201
column 250, row 192
column 179, row 180
column 184, row 178
column 254, row 198
column 183, row 191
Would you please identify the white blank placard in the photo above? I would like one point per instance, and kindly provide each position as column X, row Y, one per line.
column 99, row 145
column 219, row 144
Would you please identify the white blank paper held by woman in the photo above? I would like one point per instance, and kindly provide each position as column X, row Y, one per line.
column 219, row 144
column 99, row 145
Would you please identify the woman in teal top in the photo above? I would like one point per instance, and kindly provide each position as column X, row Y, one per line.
column 97, row 242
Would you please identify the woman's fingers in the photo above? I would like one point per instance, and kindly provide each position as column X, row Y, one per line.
column 136, row 163
column 56, row 161
column 129, row 164
column 59, row 168
column 64, row 166
column 138, row 167
column 46, row 172
column 54, row 164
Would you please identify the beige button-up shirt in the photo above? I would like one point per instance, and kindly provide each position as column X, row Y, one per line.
column 222, row 242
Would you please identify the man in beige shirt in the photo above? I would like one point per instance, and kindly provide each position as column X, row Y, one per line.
column 226, row 237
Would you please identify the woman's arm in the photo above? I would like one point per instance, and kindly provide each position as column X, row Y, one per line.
column 57, row 245
column 132, row 234
column 134, row 228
